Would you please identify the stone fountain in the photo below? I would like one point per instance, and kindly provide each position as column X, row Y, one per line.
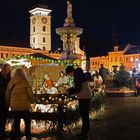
column 68, row 34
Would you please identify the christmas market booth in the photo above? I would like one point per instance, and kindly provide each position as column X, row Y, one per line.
column 54, row 110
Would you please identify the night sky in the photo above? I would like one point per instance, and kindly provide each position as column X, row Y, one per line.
column 105, row 23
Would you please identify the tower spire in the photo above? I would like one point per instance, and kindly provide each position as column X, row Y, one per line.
column 115, row 39
column 114, row 36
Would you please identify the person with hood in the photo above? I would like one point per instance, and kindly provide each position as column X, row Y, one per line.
column 21, row 99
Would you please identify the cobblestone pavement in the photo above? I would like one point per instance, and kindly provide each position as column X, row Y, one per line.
column 120, row 120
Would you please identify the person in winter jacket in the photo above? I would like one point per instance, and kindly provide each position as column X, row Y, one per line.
column 5, row 77
column 21, row 99
column 82, row 89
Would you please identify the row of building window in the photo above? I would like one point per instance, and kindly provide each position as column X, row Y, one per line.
column 98, row 63
column 43, row 29
column 116, row 59
column 2, row 55
column 131, row 59
column 43, row 40
column 126, row 59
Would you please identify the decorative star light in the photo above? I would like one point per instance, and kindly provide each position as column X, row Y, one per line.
column 17, row 62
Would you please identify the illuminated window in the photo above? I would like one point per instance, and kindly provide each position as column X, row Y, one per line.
column 44, row 39
column 136, row 59
column 111, row 59
column 115, row 59
column 44, row 28
column 131, row 59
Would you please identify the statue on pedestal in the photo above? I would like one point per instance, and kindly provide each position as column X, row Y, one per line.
column 69, row 9
column 68, row 45
column 69, row 20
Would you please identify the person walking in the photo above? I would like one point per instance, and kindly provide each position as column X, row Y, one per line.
column 5, row 77
column 82, row 89
column 21, row 99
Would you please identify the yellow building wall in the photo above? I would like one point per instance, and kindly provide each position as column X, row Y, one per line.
column 115, row 58
column 95, row 62
column 10, row 51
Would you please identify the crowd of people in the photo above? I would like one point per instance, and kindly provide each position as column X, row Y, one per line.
column 120, row 78
column 17, row 95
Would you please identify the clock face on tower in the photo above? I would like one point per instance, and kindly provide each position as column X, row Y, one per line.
column 44, row 20
column 33, row 20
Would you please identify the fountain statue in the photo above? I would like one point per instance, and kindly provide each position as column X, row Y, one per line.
column 69, row 20
column 68, row 34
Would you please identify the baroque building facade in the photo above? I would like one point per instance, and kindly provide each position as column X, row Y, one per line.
column 129, row 56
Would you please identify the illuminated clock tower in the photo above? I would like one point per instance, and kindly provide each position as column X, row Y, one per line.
column 40, row 28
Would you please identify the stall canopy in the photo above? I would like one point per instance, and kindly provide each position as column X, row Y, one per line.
column 40, row 55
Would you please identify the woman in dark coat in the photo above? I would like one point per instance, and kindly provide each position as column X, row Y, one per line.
column 5, row 77
column 82, row 88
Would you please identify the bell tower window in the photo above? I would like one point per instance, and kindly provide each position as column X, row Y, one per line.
column 44, row 28
column 44, row 48
column 34, row 29
column 34, row 40
column 44, row 39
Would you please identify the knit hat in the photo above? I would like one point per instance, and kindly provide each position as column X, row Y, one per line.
column 69, row 69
